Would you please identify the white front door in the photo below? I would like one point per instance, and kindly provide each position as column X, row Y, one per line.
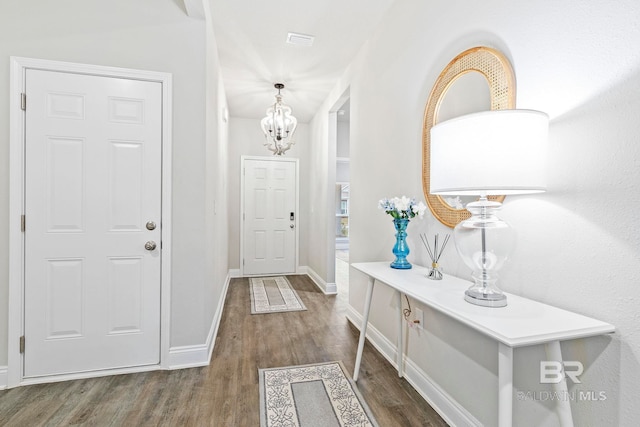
column 270, row 217
column 92, row 196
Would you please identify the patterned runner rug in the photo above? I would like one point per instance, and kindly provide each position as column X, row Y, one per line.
column 319, row 395
column 273, row 295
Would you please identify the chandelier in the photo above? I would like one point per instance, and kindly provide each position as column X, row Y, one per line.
column 279, row 125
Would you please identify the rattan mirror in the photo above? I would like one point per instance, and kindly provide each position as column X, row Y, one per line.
column 497, row 71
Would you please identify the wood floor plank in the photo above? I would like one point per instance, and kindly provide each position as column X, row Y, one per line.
column 225, row 393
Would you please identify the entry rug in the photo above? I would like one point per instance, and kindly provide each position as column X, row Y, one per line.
column 319, row 395
column 273, row 295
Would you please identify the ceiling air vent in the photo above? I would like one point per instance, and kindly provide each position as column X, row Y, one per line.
column 300, row 39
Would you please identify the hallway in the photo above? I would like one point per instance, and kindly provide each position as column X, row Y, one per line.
column 342, row 273
column 226, row 392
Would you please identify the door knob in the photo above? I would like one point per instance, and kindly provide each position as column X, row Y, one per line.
column 291, row 226
column 150, row 245
column 151, row 225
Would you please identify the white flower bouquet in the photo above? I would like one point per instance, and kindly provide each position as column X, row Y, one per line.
column 402, row 207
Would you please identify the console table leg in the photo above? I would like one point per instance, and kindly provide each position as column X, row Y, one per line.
column 363, row 328
column 563, row 404
column 505, row 384
column 400, row 351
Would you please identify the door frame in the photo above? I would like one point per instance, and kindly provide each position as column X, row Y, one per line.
column 296, row 222
column 331, row 286
column 16, row 302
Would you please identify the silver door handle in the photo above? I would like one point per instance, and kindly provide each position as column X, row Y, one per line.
column 291, row 226
column 150, row 245
column 151, row 225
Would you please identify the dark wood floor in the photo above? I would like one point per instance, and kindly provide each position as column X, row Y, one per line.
column 225, row 393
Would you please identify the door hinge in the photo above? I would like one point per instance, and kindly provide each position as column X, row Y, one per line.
column 23, row 223
column 23, row 101
column 22, row 344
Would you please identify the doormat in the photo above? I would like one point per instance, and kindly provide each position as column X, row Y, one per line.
column 319, row 395
column 273, row 295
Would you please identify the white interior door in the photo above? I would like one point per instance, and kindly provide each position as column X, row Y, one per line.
column 270, row 218
column 92, row 189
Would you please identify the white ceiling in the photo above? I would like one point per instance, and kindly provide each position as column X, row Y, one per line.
column 251, row 37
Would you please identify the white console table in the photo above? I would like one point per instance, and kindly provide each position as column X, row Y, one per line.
column 522, row 322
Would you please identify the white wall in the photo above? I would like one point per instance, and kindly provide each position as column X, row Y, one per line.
column 216, row 170
column 321, row 188
column 342, row 172
column 579, row 243
column 246, row 139
column 342, row 151
column 342, row 145
column 148, row 35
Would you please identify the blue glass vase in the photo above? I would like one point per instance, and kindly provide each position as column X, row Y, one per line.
column 400, row 249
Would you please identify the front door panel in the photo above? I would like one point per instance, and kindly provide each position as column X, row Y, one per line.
column 269, row 229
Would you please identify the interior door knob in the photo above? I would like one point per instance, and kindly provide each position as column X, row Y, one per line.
column 151, row 225
column 150, row 245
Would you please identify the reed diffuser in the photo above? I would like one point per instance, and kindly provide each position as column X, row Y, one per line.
column 435, row 272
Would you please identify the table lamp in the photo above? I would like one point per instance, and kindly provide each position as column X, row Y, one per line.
column 498, row 152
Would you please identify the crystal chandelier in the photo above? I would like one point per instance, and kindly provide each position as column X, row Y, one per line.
column 279, row 125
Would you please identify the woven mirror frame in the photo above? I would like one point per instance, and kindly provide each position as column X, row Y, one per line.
column 496, row 69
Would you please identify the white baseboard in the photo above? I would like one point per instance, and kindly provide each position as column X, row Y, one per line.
column 445, row 405
column 4, row 371
column 234, row 273
column 326, row 288
column 191, row 356
column 188, row 356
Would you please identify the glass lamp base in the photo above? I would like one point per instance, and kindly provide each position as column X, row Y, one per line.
column 484, row 243
column 477, row 297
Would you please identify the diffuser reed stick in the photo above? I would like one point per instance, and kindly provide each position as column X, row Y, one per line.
column 435, row 273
